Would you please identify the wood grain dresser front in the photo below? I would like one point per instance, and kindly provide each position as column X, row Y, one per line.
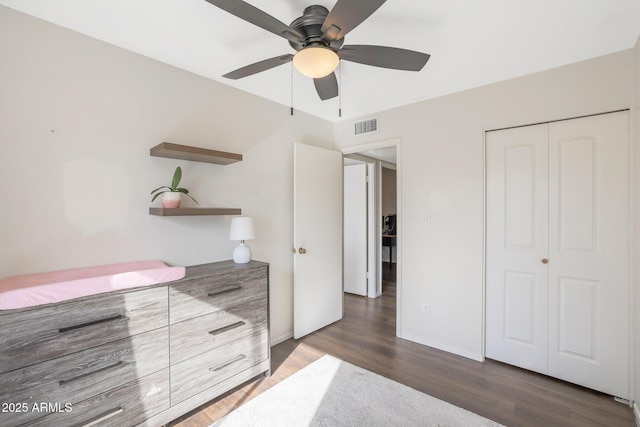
column 142, row 356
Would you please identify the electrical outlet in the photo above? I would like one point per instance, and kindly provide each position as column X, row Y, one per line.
column 425, row 309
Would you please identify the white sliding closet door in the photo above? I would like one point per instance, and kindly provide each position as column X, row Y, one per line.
column 557, row 250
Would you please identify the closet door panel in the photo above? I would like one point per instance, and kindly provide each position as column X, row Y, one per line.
column 588, row 252
column 517, row 240
column 576, row 194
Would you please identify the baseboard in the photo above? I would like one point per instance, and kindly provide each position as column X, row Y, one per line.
column 277, row 340
column 636, row 413
column 469, row 355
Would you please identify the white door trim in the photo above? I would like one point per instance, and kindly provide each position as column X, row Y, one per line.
column 483, row 346
column 374, row 234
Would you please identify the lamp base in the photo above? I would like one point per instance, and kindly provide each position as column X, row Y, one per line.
column 242, row 254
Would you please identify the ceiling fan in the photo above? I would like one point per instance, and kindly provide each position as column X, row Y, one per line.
column 318, row 37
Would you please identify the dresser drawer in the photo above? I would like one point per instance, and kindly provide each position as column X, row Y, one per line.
column 40, row 333
column 206, row 370
column 204, row 333
column 203, row 295
column 126, row 405
column 78, row 376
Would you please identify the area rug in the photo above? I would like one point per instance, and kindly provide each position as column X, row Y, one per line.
column 331, row 392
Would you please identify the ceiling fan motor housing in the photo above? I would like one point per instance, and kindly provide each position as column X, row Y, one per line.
column 310, row 25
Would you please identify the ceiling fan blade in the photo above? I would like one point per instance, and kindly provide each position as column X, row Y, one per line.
column 327, row 87
column 385, row 57
column 249, row 13
column 346, row 15
column 258, row 67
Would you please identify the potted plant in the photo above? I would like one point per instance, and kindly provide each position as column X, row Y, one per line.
column 171, row 195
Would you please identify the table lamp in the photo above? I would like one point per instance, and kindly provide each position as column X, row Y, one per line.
column 241, row 229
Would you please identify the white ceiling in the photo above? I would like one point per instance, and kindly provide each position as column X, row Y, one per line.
column 471, row 42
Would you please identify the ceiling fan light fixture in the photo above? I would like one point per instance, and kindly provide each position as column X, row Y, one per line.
column 316, row 61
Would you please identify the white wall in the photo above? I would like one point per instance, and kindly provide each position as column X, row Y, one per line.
column 442, row 171
column 77, row 120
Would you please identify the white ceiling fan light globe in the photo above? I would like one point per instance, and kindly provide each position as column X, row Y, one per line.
column 316, row 61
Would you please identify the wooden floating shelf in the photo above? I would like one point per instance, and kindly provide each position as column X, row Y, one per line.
column 194, row 211
column 195, row 154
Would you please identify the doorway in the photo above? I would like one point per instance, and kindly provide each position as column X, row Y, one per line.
column 383, row 255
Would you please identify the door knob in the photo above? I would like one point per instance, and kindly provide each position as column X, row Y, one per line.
column 302, row 251
column 545, row 261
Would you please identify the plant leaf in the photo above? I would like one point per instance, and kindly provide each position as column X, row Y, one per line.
column 192, row 198
column 156, row 196
column 177, row 176
column 160, row 188
column 185, row 191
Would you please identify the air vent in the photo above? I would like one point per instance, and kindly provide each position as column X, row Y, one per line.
column 366, row 126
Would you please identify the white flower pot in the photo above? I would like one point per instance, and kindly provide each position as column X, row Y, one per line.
column 171, row 199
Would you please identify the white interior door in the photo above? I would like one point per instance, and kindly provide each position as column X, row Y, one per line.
column 355, row 229
column 517, row 241
column 588, row 252
column 317, row 223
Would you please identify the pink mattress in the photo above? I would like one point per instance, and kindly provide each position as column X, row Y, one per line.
column 56, row 286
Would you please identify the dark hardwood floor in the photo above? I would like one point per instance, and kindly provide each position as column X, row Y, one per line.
column 366, row 338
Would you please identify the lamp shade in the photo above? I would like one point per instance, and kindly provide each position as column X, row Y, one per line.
column 316, row 61
column 241, row 228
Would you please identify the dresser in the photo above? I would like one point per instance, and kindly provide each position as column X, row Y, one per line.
column 142, row 356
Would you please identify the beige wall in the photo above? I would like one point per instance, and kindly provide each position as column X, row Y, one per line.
column 389, row 192
column 77, row 120
column 441, row 171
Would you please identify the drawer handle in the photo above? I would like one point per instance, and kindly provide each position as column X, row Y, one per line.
column 115, row 365
column 225, row 291
column 228, row 362
column 94, row 322
column 227, row 328
column 104, row 416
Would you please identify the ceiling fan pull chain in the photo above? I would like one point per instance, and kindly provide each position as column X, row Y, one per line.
column 340, row 90
column 292, row 88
